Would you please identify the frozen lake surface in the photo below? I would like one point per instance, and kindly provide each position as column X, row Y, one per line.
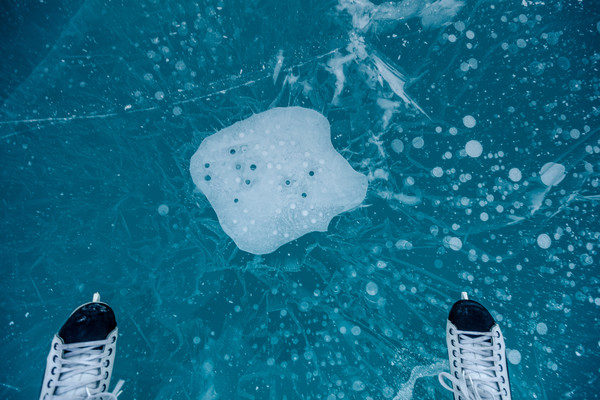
column 475, row 122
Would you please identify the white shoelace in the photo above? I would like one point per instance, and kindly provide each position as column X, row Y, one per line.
column 80, row 372
column 477, row 379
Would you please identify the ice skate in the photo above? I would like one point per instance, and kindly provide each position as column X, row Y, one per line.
column 80, row 362
column 477, row 354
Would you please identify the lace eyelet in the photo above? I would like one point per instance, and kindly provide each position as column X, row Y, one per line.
column 456, row 374
column 49, row 383
column 451, row 331
column 56, row 346
column 505, row 392
column 109, row 351
column 455, row 364
column 106, row 375
column 53, row 371
column 453, row 353
column 503, row 380
column 114, row 339
column 54, row 358
column 452, row 342
column 106, row 363
column 501, row 368
column 103, row 388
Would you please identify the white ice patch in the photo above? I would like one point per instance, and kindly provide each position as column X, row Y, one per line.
column 552, row 174
column 274, row 177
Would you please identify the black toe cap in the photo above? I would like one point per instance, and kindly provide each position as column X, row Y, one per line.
column 469, row 315
column 90, row 322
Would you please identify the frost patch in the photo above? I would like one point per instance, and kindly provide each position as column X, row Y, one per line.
column 440, row 13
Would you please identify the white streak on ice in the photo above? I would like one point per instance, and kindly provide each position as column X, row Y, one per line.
column 421, row 371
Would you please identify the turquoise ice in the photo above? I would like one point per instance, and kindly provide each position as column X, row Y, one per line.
column 476, row 124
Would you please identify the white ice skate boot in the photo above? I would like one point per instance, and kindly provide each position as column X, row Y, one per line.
column 80, row 362
column 477, row 354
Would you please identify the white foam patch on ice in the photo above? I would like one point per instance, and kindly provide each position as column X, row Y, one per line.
column 274, row 177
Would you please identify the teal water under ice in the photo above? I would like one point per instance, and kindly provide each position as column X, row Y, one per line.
column 453, row 110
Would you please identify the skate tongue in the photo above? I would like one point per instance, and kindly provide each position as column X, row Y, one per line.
column 80, row 374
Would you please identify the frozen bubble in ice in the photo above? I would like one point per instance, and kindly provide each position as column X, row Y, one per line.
column 437, row 172
column 397, row 145
column 372, row 288
column 552, row 174
column 575, row 134
column 515, row 174
column 514, row 357
column 294, row 188
column 563, row 63
column 544, row 241
column 358, row 385
column 537, row 68
column 541, row 328
column 473, row 148
column 404, row 245
column 418, row 142
column 469, row 121
column 163, row 209
column 459, row 26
